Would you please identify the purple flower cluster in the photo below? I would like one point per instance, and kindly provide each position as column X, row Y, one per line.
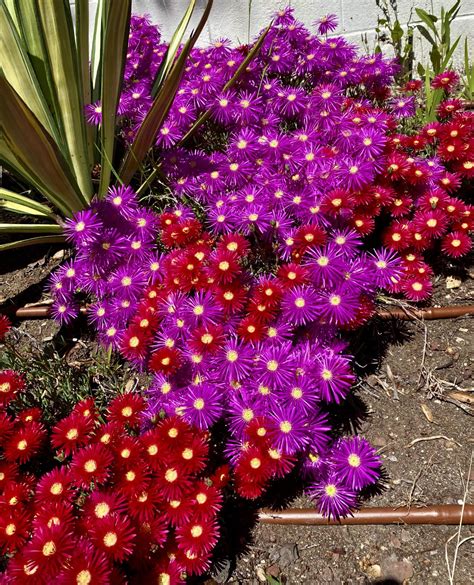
column 115, row 259
column 270, row 365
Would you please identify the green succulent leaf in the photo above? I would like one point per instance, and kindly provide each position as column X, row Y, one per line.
column 37, row 241
column 160, row 107
column 31, row 228
column 60, row 43
column 28, row 149
column 20, row 204
column 20, row 73
column 172, row 49
column 114, row 49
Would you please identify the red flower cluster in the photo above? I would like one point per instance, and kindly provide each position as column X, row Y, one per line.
column 120, row 504
column 417, row 192
column 10, row 384
column 5, row 326
column 195, row 262
column 259, row 461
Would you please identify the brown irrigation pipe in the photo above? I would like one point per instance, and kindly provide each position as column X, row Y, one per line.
column 448, row 514
column 433, row 313
column 44, row 312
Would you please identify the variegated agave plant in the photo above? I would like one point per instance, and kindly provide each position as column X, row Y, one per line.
column 47, row 76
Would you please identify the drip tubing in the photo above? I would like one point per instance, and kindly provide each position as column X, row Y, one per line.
column 44, row 312
column 448, row 514
column 431, row 313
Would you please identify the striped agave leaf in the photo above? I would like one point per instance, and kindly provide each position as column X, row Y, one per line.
column 47, row 76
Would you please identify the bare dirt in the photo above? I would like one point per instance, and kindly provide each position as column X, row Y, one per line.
column 408, row 371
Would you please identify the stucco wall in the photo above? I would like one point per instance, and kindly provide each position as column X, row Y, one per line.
column 240, row 20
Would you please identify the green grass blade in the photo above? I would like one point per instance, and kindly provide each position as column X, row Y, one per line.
column 31, row 207
column 450, row 53
column 30, row 228
column 114, row 51
column 428, row 19
column 172, row 49
column 60, row 43
column 160, row 107
column 40, row 240
column 27, row 147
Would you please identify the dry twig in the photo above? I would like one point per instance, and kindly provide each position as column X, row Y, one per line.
column 457, row 535
column 420, row 439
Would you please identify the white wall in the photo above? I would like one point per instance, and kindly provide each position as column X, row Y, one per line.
column 233, row 19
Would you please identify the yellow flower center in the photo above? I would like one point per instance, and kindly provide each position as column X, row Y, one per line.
column 84, row 577
column 326, row 375
column 323, row 261
column 255, row 463
column 22, row 445
column 272, row 365
column 110, row 539
column 90, row 466
column 247, row 414
column 207, row 338
column 201, row 498
column 49, row 548
column 353, row 460
column 72, row 434
column 127, row 411
column 286, row 426
column 232, row 355
column 300, row 302
column 101, row 510
column 171, row 475
column 296, row 393
column 56, row 488
column 330, row 490
column 134, row 341
column 196, row 531
column 199, row 404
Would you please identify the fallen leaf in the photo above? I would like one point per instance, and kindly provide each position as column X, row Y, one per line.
column 453, row 282
column 427, row 412
column 129, row 385
column 467, row 397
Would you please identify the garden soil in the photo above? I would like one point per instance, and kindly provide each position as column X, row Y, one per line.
column 409, row 372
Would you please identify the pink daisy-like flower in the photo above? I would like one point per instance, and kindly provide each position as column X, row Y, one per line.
column 446, row 80
column 334, row 376
column 333, row 498
column 289, row 429
column 356, row 462
column 326, row 24
column 300, row 305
